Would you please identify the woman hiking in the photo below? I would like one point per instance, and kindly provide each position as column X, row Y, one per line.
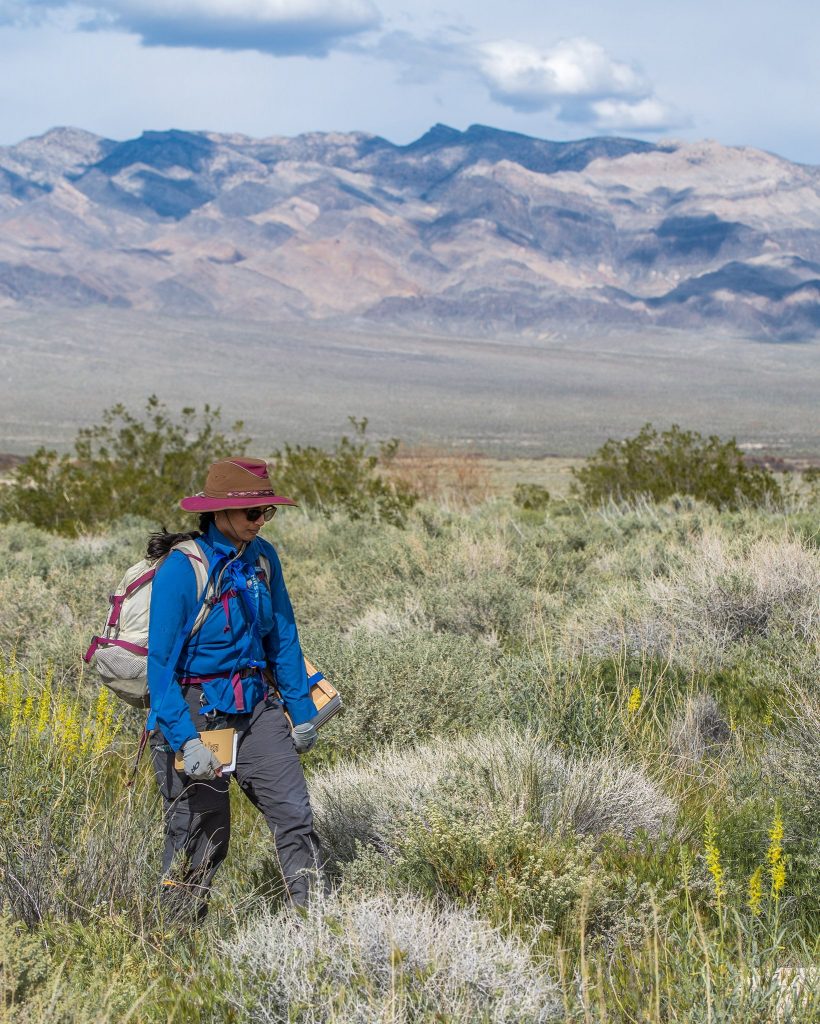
column 224, row 679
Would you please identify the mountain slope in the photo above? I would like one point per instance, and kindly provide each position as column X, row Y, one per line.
column 483, row 230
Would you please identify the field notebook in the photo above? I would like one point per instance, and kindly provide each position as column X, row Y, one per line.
column 325, row 697
column 222, row 742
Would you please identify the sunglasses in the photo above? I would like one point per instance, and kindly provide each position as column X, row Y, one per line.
column 252, row 514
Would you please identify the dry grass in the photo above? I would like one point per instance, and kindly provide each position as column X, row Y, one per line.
column 457, row 480
column 700, row 729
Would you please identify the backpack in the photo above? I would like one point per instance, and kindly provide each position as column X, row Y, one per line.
column 120, row 652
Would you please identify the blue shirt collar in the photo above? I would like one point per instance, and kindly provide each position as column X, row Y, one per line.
column 223, row 546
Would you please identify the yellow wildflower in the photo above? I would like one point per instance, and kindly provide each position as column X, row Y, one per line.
column 778, row 878
column 104, row 728
column 712, row 852
column 44, row 706
column 755, row 891
column 774, row 855
column 635, row 699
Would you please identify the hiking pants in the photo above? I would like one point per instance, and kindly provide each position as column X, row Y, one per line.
column 197, row 814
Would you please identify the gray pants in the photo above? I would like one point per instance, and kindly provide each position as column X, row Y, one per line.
column 197, row 814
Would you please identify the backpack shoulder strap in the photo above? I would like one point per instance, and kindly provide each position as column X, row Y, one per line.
column 264, row 564
column 199, row 563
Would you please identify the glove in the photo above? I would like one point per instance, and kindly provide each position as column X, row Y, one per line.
column 304, row 736
column 200, row 763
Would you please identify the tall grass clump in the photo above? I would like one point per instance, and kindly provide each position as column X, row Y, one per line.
column 711, row 601
column 68, row 850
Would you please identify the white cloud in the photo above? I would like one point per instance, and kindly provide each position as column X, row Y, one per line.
column 280, row 27
column 525, row 78
column 649, row 114
column 576, row 80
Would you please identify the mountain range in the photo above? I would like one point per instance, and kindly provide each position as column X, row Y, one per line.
column 481, row 232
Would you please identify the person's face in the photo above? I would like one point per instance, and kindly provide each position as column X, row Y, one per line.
column 241, row 525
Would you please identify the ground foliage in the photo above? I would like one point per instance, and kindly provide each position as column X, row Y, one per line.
column 578, row 758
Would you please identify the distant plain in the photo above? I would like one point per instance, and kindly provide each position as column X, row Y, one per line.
column 562, row 395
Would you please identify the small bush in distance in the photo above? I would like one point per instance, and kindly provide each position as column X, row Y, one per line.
column 127, row 464
column 531, row 496
column 674, row 462
column 346, row 479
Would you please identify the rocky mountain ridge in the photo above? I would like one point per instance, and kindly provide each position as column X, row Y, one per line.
column 482, row 231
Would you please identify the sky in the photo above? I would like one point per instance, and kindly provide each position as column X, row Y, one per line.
column 743, row 72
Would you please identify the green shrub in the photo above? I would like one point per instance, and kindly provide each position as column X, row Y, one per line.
column 531, row 496
column 674, row 462
column 125, row 465
column 24, row 964
column 346, row 479
column 508, row 869
column 503, row 774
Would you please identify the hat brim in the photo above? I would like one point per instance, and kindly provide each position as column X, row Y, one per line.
column 204, row 503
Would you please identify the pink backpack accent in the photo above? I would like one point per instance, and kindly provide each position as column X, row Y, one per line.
column 120, row 652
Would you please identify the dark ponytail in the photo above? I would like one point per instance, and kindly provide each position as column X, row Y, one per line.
column 159, row 544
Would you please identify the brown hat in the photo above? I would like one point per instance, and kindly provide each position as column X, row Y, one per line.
column 235, row 483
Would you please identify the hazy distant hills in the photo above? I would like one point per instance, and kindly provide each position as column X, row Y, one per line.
column 480, row 231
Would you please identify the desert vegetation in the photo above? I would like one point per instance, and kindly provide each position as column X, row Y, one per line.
column 576, row 777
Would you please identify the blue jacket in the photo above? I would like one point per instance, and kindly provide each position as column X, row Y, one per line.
column 250, row 625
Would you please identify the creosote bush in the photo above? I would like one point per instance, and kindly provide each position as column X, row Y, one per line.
column 141, row 465
column 534, row 497
column 675, row 461
column 127, row 464
column 346, row 479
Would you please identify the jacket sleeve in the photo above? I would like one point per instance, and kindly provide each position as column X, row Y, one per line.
column 282, row 648
column 173, row 599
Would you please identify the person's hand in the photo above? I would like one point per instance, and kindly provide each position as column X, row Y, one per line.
column 200, row 763
column 304, row 736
